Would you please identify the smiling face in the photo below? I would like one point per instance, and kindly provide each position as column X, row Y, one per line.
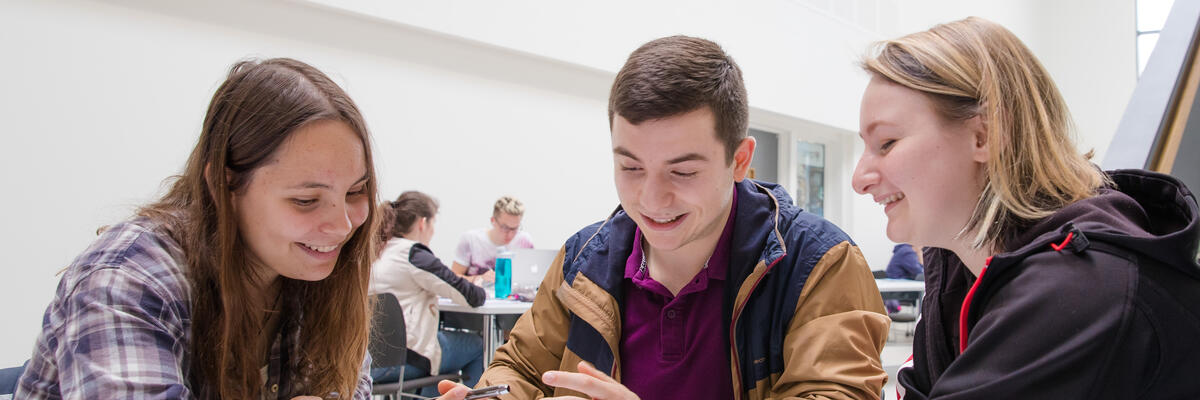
column 299, row 208
column 925, row 171
column 673, row 178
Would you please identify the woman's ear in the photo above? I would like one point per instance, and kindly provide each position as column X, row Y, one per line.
column 978, row 129
column 208, row 175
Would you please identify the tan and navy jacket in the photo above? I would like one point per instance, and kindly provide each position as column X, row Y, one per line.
column 803, row 317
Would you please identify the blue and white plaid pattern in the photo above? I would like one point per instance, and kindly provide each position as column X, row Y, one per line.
column 119, row 325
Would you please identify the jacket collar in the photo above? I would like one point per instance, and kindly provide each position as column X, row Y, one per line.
column 756, row 237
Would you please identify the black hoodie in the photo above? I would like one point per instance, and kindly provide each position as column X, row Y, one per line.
column 1099, row 300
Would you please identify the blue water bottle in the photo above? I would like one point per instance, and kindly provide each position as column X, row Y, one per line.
column 503, row 272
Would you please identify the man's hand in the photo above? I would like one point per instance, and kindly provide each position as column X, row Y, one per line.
column 452, row 390
column 484, row 278
column 589, row 381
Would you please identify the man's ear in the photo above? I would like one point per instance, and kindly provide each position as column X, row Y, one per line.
column 978, row 129
column 742, row 157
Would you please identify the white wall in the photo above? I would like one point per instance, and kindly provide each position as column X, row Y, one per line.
column 467, row 100
column 106, row 101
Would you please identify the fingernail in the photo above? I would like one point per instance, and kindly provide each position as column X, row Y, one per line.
column 549, row 378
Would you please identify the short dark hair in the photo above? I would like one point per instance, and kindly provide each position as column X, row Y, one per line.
column 679, row 74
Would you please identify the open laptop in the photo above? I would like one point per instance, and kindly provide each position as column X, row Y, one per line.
column 529, row 267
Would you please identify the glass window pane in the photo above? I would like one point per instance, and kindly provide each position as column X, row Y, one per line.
column 1152, row 14
column 765, row 164
column 810, row 177
column 1145, row 45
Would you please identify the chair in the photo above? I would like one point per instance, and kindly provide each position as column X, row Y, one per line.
column 8, row 379
column 899, row 316
column 389, row 348
column 905, row 317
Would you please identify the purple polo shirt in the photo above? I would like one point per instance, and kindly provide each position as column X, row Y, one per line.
column 674, row 347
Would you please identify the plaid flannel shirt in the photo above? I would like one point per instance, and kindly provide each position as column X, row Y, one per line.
column 119, row 326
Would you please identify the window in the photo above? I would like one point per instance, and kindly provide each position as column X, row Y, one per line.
column 810, row 177
column 811, row 161
column 765, row 164
column 1151, row 15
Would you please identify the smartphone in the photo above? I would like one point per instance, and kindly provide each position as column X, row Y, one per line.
column 487, row 392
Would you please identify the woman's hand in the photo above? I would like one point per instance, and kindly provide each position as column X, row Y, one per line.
column 589, row 381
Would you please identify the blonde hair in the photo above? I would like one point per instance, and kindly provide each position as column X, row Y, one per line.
column 975, row 67
column 508, row 205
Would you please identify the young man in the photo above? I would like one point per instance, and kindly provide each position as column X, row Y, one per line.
column 475, row 256
column 702, row 284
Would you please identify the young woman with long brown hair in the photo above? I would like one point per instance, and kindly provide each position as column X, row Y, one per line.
column 1045, row 277
column 248, row 279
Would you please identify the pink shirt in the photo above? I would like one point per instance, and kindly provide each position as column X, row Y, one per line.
column 477, row 252
column 674, row 347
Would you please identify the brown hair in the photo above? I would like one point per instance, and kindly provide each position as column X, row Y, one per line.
column 975, row 67
column 404, row 212
column 679, row 74
column 260, row 104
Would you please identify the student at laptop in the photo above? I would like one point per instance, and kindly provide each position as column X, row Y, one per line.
column 475, row 256
column 408, row 269
column 248, row 279
column 702, row 284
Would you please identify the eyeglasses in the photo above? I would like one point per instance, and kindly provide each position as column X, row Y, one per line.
column 506, row 228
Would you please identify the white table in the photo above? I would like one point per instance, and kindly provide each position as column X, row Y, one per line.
column 902, row 286
column 488, row 311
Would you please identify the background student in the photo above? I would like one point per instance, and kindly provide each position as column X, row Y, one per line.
column 904, row 264
column 408, row 269
column 1045, row 277
column 248, row 279
column 475, row 256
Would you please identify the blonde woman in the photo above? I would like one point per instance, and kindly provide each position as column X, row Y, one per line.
column 248, row 279
column 1045, row 277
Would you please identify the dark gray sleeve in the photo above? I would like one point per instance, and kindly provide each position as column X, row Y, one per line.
column 423, row 258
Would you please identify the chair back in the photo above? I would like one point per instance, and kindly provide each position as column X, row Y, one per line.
column 389, row 339
column 9, row 378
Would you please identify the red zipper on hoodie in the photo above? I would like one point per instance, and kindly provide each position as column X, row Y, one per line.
column 966, row 307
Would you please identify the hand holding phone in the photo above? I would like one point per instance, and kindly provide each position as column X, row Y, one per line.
column 482, row 393
column 487, row 392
